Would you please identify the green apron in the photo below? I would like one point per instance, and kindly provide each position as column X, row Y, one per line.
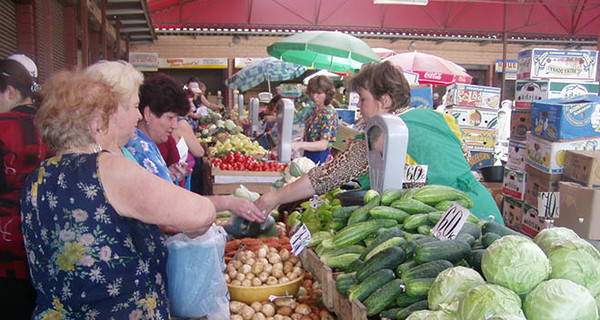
column 444, row 157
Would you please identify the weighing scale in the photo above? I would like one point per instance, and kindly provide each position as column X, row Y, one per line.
column 387, row 141
column 254, row 105
column 285, row 122
column 219, row 98
column 240, row 106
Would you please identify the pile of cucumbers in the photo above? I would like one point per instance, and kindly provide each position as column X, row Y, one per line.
column 384, row 248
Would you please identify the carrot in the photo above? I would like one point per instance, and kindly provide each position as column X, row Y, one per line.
column 233, row 245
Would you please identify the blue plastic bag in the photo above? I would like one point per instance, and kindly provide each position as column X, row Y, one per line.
column 196, row 275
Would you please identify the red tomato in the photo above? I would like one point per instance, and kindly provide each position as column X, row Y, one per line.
column 223, row 166
column 230, row 158
column 239, row 157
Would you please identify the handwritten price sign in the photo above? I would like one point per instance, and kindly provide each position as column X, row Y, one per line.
column 300, row 239
column 415, row 173
column 548, row 205
column 451, row 223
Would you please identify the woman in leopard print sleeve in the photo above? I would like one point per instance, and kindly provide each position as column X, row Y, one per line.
column 433, row 140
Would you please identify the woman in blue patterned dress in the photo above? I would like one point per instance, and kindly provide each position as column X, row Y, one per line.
column 90, row 215
column 321, row 126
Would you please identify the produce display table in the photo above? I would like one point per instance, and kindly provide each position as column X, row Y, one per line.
column 226, row 181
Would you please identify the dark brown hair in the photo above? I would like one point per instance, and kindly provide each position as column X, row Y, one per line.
column 321, row 84
column 14, row 74
column 163, row 94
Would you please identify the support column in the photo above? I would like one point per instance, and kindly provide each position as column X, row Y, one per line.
column 48, row 39
column 70, row 37
column 94, row 47
column 26, row 30
column 83, row 9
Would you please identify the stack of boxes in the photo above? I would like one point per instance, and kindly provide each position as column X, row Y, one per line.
column 475, row 109
column 556, row 106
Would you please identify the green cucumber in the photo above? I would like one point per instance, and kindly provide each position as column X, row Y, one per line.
column 414, row 221
column 389, row 258
column 498, row 229
column 354, row 248
column 383, row 297
column 382, row 235
column 404, row 313
column 451, row 250
column 365, row 288
column 426, row 270
column 472, row 229
column 389, row 313
column 362, row 214
column 390, row 195
column 403, row 300
column 404, row 267
column 384, row 212
column 419, row 287
column 424, row 229
column 343, row 212
column 342, row 261
column 466, row 238
column 412, row 206
column 344, row 281
column 392, row 242
column 317, row 237
column 488, row 238
column 355, row 265
column 474, row 259
column 357, row 232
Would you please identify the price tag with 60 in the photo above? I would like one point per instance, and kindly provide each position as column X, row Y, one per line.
column 451, row 222
column 415, row 173
column 300, row 239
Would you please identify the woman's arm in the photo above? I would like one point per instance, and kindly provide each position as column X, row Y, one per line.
column 184, row 130
column 310, row 146
column 298, row 190
column 209, row 104
column 238, row 206
column 160, row 202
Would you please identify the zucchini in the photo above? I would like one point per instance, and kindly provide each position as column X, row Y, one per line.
column 343, row 212
column 383, row 297
column 403, row 300
column 389, row 313
column 472, row 229
column 498, row 229
column 390, row 195
column 404, row 313
column 365, row 288
column 434, row 193
column 344, row 281
column 466, row 238
column 488, row 238
column 357, row 232
column 426, row 270
column 362, row 213
column 414, row 221
column 317, row 237
column 388, row 258
column 384, row 212
column 392, row 242
column 419, row 287
column 355, row 265
column 404, row 267
column 412, row 206
column 474, row 259
column 355, row 248
column 342, row 261
column 451, row 250
column 424, row 229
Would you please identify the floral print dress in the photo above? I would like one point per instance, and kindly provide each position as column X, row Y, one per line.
column 87, row 261
column 321, row 125
column 146, row 153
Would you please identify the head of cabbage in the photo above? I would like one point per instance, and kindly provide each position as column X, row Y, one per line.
column 558, row 299
column 515, row 262
column 507, row 316
column 578, row 261
column 487, row 300
column 546, row 237
column 449, row 287
column 430, row 315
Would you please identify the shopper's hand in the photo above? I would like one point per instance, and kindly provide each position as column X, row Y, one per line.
column 178, row 170
column 267, row 202
column 245, row 209
column 298, row 145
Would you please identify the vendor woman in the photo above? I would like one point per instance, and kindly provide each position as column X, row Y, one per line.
column 321, row 125
column 432, row 141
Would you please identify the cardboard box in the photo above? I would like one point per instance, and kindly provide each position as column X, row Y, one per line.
column 527, row 91
column 512, row 212
column 520, row 123
column 467, row 95
column 583, row 167
column 562, row 119
column 479, row 139
column 538, row 181
column 532, row 222
column 480, row 159
column 513, row 183
column 549, row 156
column 580, row 208
column 344, row 136
column 543, row 63
column 517, row 150
column 475, row 117
column 421, row 97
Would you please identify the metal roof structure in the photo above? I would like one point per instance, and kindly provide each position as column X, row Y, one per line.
column 134, row 17
column 568, row 22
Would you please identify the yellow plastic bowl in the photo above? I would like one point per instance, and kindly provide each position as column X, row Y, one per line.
column 262, row 293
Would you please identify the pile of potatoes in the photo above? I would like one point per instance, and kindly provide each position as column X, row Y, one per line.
column 280, row 309
column 266, row 266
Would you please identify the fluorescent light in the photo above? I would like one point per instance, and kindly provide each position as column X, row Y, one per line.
column 408, row 2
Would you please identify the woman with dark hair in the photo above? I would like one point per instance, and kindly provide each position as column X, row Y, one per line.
column 433, row 140
column 321, row 126
column 21, row 150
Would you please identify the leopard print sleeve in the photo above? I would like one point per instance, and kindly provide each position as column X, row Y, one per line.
column 349, row 165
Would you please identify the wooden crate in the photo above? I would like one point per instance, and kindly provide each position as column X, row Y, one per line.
column 230, row 187
column 346, row 309
column 226, row 181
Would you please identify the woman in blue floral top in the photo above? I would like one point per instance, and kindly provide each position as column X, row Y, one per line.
column 321, row 126
column 91, row 235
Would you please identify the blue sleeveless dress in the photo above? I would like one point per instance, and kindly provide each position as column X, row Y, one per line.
column 87, row 261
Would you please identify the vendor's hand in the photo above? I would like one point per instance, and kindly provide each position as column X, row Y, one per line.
column 267, row 202
column 178, row 170
column 245, row 209
column 298, row 145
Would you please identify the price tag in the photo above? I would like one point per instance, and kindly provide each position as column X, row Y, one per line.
column 315, row 202
column 450, row 224
column 415, row 173
column 548, row 205
column 300, row 239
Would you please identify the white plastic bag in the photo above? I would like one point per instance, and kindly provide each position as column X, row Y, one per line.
column 196, row 275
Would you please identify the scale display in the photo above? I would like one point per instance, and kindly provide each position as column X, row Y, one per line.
column 285, row 122
column 254, row 105
column 387, row 141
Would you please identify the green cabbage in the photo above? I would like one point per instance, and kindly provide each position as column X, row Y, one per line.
column 449, row 287
column 578, row 261
column 546, row 237
column 430, row 315
column 507, row 316
column 487, row 300
column 515, row 262
column 559, row 299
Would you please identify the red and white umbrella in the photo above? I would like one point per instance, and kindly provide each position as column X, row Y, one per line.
column 431, row 69
column 383, row 53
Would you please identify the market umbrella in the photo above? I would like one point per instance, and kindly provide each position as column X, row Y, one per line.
column 431, row 69
column 383, row 53
column 331, row 50
column 330, row 75
column 268, row 69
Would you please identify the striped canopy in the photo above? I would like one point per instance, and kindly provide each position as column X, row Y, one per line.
column 268, row 69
